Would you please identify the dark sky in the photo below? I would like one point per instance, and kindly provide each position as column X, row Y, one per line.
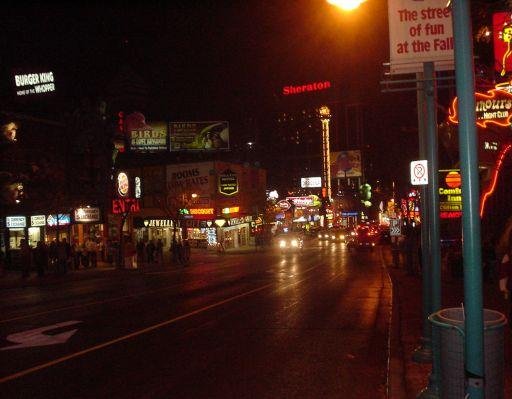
column 212, row 60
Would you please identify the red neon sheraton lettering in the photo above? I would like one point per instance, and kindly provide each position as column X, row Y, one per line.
column 287, row 90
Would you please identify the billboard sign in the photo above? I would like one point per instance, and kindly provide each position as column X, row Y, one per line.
column 502, row 37
column 143, row 136
column 311, row 182
column 189, row 178
column 346, row 164
column 207, row 136
column 450, row 194
column 228, row 183
column 420, row 31
column 34, row 83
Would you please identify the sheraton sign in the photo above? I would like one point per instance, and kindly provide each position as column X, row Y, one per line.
column 304, row 88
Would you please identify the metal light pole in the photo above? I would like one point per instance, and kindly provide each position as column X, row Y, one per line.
column 325, row 117
column 473, row 301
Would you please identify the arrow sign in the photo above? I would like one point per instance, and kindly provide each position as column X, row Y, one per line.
column 30, row 338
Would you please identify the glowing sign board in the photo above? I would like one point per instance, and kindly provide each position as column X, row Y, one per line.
column 493, row 107
column 15, row 222
column 37, row 220
column 34, row 83
column 502, row 37
column 304, row 88
column 450, row 194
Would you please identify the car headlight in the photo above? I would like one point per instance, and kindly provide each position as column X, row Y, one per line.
column 319, row 235
column 282, row 243
column 333, row 237
column 342, row 237
column 295, row 243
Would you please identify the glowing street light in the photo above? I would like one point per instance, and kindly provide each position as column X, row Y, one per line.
column 347, row 5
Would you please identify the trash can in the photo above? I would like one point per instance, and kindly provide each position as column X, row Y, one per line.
column 450, row 325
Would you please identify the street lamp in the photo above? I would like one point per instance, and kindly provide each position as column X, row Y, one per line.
column 325, row 117
column 347, row 5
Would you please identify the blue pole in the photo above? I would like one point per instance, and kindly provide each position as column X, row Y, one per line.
column 433, row 211
column 423, row 354
column 473, row 302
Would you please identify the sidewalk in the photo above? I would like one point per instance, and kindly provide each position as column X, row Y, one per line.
column 406, row 377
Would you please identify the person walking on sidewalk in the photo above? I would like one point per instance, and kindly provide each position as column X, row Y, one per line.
column 26, row 258
column 41, row 258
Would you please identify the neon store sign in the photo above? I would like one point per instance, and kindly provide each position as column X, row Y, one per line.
column 493, row 107
column 305, row 88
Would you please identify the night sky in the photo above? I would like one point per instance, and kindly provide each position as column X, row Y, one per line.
column 217, row 60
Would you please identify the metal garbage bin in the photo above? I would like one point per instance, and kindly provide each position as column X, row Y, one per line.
column 450, row 326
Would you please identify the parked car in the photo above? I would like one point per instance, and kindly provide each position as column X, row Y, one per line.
column 290, row 242
column 364, row 238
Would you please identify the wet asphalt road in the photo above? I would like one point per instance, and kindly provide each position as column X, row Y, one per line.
column 255, row 325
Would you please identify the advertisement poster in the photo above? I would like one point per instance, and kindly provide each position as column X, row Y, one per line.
column 190, row 178
column 346, row 164
column 143, row 136
column 209, row 136
column 420, row 31
column 502, row 37
column 228, row 183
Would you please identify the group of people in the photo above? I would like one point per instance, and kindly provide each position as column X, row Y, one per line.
column 151, row 251
column 180, row 252
column 57, row 256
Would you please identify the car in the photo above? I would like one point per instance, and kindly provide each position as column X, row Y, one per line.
column 290, row 243
column 364, row 238
column 323, row 235
column 338, row 235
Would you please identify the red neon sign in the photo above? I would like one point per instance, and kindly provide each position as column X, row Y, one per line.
column 492, row 186
column 124, row 205
column 316, row 86
column 493, row 107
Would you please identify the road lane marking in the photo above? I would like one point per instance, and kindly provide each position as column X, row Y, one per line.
column 36, row 337
column 143, row 331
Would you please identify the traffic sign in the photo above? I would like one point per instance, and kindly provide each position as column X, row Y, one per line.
column 394, row 227
column 419, row 173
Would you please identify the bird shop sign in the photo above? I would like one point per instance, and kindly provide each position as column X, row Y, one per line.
column 228, row 183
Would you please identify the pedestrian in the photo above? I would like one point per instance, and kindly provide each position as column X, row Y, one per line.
column 129, row 254
column 76, row 254
column 63, row 256
column 179, row 252
column 186, row 253
column 150, row 251
column 505, row 277
column 52, row 255
column 159, row 251
column 41, row 258
column 174, row 250
column 140, row 251
column 488, row 260
column 92, row 252
column 26, row 258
